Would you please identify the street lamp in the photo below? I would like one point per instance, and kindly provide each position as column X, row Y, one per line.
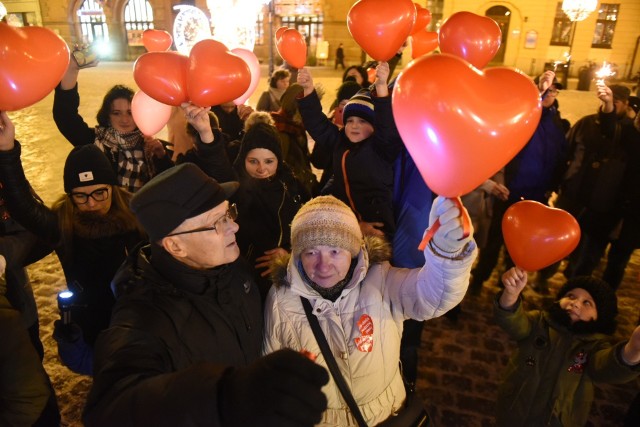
column 576, row 10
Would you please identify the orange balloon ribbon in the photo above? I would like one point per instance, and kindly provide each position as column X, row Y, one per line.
column 464, row 217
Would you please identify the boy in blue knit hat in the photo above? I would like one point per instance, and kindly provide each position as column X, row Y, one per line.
column 362, row 152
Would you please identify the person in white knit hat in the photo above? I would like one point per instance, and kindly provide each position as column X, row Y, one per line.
column 361, row 301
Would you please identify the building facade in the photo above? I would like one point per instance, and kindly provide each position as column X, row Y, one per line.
column 535, row 34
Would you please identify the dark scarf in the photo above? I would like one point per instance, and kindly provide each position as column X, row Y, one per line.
column 333, row 292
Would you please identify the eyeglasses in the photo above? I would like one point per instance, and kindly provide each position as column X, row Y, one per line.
column 99, row 195
column 219, row 226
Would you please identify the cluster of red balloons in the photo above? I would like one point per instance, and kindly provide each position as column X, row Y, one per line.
column 291, row 46
column 32, row 63
column 461, row 124
column 422, row 41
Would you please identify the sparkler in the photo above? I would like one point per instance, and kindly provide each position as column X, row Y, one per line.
column 604, row 72
column 555, row 65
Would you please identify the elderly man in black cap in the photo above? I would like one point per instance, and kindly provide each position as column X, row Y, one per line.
column 186, row 333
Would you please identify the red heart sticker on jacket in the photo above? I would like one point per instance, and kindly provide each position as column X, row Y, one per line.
column 365, row 342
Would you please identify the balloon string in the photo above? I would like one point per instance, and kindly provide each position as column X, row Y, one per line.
column 464, row 217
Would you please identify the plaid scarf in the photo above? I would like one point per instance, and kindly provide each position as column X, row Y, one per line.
column 133, row 165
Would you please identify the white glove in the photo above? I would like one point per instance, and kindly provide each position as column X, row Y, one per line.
column 448, row 238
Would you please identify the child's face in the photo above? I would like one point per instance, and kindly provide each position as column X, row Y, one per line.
column 579, row 305
column 357, row 129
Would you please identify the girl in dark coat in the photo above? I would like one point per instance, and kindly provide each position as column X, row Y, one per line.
column 268, row 198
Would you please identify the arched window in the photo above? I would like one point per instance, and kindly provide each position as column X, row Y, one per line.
column 93, row 23
column 138, row 16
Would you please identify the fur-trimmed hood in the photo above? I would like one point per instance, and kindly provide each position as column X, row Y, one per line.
column 374, row 250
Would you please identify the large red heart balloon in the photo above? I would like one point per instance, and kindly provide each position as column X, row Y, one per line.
column 156, row 40
column 423, row 42
column 472, row 37
column 423, row 18
column 215, row 75
column 380, row 27
column 162, row 76
column 292, row 47
column 32, row 63
column 537, row 236
column 462, row 125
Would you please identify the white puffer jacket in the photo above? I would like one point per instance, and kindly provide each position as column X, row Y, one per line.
column 387, row 296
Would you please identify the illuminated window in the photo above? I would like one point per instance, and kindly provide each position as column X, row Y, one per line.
column 93, row 23
column 561, row 34
column 605, row 25
column 138, row 16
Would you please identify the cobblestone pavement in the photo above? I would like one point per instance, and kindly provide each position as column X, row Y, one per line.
column 460, row 363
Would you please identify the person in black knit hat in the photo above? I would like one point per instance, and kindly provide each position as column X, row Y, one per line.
column 91, row 229
column 562, row 352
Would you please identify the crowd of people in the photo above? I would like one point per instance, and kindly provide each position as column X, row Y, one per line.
column 223, row 283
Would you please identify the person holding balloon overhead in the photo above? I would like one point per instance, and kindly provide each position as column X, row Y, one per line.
column 532, row 174
column 562, row 351
column 135, row 157
column 363, row 150
column 338, row 288
column 91, row 229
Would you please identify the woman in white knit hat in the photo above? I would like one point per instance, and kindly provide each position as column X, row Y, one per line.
column 360, row 301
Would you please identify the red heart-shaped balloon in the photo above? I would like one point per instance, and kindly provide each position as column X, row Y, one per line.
column 423, row 42
column 423, row 17
column 462, row 125
column 279, row 32
column 537, row 236
column 292, row 47
column 215, row 75
column 162, row 76
column 380, row 27
column 472, row 37
column 32, row 63
column 156, row 40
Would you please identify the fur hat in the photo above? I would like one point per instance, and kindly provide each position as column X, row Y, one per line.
column 325, row 221
column 87, row 165
column 177, row 194
column 604, row 297
column 360, row 105
column 347, row 90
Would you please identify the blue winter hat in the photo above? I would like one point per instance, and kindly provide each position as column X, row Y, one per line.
column 360, row 105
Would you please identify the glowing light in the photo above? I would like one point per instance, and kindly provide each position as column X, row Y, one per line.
column 234, row 21
column 604, row 72
column 190, row 26
column 578, row 10
column 3, row 11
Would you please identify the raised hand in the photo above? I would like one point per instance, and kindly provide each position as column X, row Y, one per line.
column 198, row 117
column 449, row 237
column 631, row 351
column 514, row 281
column 306, row 81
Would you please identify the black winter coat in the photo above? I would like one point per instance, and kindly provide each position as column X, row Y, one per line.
column 173, row 333
column 89, row 263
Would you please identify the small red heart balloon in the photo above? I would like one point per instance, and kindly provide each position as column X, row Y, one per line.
column 472, row 37
column 156, row 40
column 215, row 75
column 423, row 18
column 150, row 115
column 458, row 123
column 423, row 42
column 292, row 47
column 32, row 63
column 162, row 76
column 279, row 32
column 537, row 236
column 380, row 27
